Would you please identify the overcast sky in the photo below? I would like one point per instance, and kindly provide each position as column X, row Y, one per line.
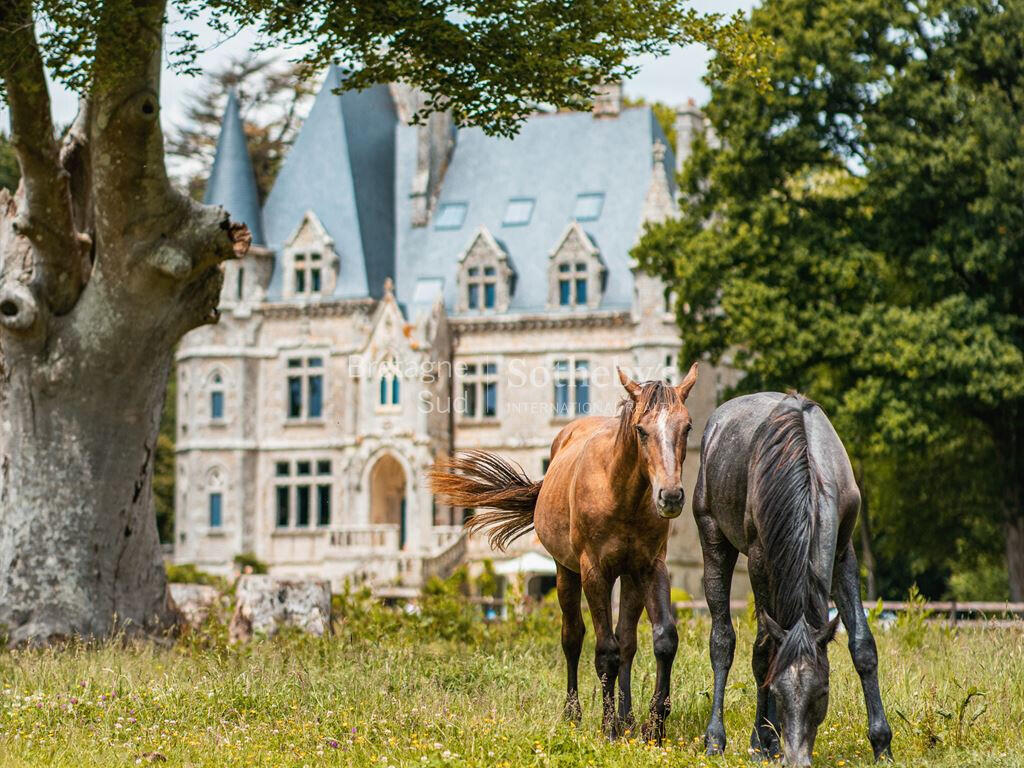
column 672, row 79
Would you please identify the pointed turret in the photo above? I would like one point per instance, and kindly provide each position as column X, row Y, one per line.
column 232, row 182
column 342, row 168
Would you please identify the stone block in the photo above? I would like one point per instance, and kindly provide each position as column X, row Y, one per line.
column 264, row 604
column 194, row 602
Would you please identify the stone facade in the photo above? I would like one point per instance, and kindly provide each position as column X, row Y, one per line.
column 308, row 416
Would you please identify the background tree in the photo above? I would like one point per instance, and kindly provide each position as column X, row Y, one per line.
column 272, row 98
column 856, row 233
column 105, row 265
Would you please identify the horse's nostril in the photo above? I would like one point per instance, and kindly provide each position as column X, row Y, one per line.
column 671, row 495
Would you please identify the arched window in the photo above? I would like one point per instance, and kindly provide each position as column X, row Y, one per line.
column 215, row 498
column 217, row 397
column 389, row 386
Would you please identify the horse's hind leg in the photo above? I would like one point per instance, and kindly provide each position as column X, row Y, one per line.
column 569, row 588
column 719, row 562
column 631, row 605
column 846, row 593
column 666, row 641
column 598, row 587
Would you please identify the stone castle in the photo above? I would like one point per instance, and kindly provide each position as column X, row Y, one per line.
column 415, row 290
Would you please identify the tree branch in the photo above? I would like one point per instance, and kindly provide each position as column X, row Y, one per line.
column 45, row 216
column 134, row 201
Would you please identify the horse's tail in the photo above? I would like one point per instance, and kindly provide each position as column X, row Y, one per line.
column 784, row 485
column 476, row 480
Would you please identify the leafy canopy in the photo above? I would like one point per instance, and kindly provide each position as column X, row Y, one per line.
column 488, row 61
column 855, row 231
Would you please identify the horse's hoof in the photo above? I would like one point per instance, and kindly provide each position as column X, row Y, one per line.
column 653, row 731
column 714, row 743
column 572, row 712
column 764, row 749
column 627, row 722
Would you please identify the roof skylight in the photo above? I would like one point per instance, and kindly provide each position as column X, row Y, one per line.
column 588, row 206
column 518, row 212
column 450, row 216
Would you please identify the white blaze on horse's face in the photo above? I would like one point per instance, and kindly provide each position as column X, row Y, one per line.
column 662, row 432
column 662, row 436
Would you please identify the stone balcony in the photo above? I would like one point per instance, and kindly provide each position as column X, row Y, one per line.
column 365, row 554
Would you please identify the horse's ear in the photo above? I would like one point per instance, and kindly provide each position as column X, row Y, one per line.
column 688, row 382
column 631, row 386
column 828, row 632
column 775, row 632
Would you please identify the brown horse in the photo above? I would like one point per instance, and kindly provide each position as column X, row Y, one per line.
column 602, row 511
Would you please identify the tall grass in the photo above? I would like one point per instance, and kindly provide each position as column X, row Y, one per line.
column 395, row 690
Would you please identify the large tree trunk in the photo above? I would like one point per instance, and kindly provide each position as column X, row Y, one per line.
column 104, row 268
column 79, row 551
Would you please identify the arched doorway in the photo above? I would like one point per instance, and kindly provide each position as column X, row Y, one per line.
column 387, row 495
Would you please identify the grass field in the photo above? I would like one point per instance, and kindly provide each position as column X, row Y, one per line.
column 442, row 689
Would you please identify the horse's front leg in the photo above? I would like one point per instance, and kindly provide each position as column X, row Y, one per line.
column 764, row 738
column 719, row 562
column 597, row 586
column 846, row 593
column 631, row 605
column 666, row 641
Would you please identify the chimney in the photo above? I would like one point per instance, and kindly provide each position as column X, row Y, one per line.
column 608, row 100
column 689, row 124
column 435, row 142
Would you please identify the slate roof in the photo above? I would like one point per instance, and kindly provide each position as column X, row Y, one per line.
column 553, row 159
column 341, row 167
column 353, row 162
column 232, row 183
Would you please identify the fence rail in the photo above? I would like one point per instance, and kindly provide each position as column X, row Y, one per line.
column 991, row 613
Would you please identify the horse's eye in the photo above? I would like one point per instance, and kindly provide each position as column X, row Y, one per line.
column 641, row 432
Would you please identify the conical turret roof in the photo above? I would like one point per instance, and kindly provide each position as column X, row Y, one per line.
column 232, row 183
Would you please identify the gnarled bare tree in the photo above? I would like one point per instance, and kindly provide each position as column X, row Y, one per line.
column 105, row 266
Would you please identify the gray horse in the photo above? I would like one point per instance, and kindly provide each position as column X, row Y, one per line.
column 776, row 484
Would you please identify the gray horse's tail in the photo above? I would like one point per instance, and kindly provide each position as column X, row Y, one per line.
column 478, row 479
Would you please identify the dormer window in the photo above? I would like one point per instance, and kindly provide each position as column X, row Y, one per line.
column 482, row 286
column 577, row 272
column 485, row 275
column 572, row 284
column 308, row 273
column 309, row 261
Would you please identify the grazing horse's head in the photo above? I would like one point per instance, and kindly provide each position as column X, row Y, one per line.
column 655, row 417
column 798, row 678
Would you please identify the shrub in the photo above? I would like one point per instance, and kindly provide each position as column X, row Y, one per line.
column 188, row 573
column 247, row 560
column 912, row 623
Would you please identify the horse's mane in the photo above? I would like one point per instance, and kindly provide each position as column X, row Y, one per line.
column 653, row 395
column 786, row 485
